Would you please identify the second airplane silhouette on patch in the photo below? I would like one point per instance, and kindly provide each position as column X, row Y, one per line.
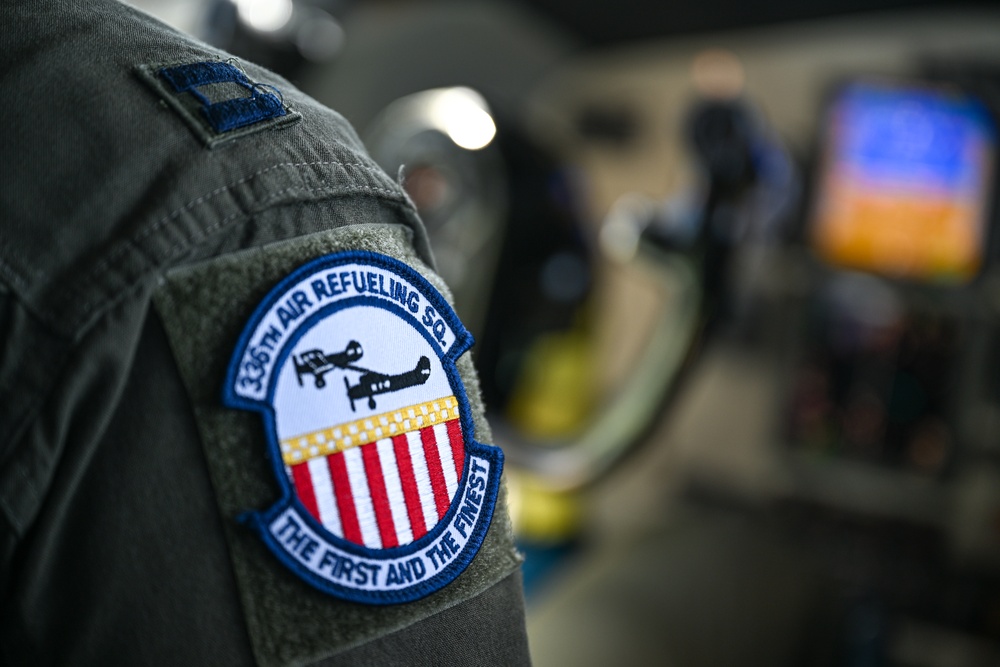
column 370, row 384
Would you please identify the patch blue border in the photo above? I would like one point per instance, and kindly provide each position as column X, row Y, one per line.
column 260, row 521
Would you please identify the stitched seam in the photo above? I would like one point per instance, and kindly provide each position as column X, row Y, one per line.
column 17, row 461
column 114, row 254
column 14, row 275
column 211, row 229
column 104, row 265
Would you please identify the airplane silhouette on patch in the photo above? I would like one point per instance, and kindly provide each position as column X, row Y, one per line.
column 371, row 383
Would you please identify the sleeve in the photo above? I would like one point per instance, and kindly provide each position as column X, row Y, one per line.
column 149, row 510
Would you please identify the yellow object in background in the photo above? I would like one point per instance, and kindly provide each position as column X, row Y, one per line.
column 553, row 400
column 540, row 515
column 554, row 394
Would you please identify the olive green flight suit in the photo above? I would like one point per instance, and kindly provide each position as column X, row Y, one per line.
column 135, row 241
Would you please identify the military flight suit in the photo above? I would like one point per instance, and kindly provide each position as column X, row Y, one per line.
column 138, row 232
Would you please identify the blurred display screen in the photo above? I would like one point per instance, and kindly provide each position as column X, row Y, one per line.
column 905, row 182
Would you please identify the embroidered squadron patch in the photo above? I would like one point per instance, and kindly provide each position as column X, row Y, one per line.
column 386, row 494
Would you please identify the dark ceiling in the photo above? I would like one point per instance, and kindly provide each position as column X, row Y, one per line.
column 608, row 22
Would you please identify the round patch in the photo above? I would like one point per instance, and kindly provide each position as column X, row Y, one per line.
column 386, row 494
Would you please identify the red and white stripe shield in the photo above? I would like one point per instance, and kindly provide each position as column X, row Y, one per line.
column 386, row 493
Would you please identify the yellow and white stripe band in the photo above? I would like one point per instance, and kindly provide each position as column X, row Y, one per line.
column 301, row 448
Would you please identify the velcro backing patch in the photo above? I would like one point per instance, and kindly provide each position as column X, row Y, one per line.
column 291, row 619
column 217, row 99
column 386, row 494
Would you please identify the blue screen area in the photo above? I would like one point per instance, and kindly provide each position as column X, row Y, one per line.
column 911, row 137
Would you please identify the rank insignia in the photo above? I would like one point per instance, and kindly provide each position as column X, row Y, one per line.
column 386, row 494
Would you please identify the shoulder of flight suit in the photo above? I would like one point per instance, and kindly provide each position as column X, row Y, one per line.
column 113, row 550
column 107, row 188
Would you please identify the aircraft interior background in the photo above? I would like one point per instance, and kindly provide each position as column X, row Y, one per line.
column 732, row 271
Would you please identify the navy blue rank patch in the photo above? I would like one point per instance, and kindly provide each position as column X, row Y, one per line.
column 217, row 99
column 351, row 362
